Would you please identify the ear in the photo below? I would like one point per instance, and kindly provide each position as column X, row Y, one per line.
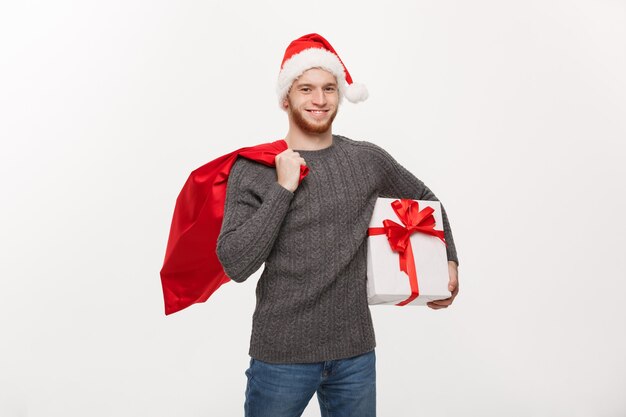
column 285, row 103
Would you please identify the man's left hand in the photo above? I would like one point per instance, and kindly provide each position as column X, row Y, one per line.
column 453, row 287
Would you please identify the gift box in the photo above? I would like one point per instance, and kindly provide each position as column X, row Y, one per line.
column 407, row 262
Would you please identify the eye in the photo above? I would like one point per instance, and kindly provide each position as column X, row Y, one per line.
column 330, row 89
column 305, row 89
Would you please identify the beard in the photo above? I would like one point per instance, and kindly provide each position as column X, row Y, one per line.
column 310, row 126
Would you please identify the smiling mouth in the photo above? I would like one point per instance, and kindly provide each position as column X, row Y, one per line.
column 318, row 111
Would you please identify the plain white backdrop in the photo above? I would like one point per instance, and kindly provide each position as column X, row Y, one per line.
column 512, row 112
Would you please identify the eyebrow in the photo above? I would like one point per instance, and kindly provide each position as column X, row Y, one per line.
column 311, row 85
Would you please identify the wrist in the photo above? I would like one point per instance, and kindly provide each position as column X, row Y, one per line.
column 285, row 187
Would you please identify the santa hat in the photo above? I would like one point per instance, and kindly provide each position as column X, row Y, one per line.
column 310, row 51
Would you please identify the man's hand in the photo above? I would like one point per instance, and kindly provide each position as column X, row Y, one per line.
column 453, row 287
column 288, row 164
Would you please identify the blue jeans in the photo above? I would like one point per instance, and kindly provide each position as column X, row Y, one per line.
column 345, row 387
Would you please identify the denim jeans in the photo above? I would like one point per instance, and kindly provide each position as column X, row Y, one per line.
column 345, row 387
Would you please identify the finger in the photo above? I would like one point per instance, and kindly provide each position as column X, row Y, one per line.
column 435, row 306
column 445, row 302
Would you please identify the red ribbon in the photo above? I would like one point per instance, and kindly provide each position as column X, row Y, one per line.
column 413, row 220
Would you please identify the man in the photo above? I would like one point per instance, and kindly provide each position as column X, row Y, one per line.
column 312, row 330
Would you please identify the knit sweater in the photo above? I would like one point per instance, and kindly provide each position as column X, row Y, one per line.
column 311, row 298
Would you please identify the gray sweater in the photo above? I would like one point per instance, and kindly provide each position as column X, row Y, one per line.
column 311, row 296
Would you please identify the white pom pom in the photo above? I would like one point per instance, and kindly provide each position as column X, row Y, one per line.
column 356, row 92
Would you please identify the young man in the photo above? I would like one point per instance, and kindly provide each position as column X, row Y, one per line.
column 312, row 330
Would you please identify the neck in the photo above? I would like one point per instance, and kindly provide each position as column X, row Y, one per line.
column 298, row 139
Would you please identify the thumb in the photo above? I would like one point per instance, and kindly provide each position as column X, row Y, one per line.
column 453, row 283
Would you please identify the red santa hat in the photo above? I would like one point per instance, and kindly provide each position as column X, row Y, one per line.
column 311, row 51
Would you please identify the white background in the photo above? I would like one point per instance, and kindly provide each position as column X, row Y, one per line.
column 513, row 113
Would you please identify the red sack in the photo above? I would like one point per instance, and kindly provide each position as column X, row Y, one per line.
column 191, row 271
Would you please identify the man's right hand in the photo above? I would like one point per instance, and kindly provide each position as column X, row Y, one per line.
column 288, row 168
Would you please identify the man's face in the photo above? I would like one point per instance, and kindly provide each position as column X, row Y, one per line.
column 313, row 101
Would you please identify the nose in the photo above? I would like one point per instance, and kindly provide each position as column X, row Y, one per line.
column 319, row 98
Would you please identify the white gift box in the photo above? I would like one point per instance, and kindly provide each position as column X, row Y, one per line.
column 386, row 282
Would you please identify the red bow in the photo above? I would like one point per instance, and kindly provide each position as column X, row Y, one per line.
column 398, row 236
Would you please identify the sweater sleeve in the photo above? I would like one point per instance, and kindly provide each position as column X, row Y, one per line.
column 398, row 182
column 253, row 214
